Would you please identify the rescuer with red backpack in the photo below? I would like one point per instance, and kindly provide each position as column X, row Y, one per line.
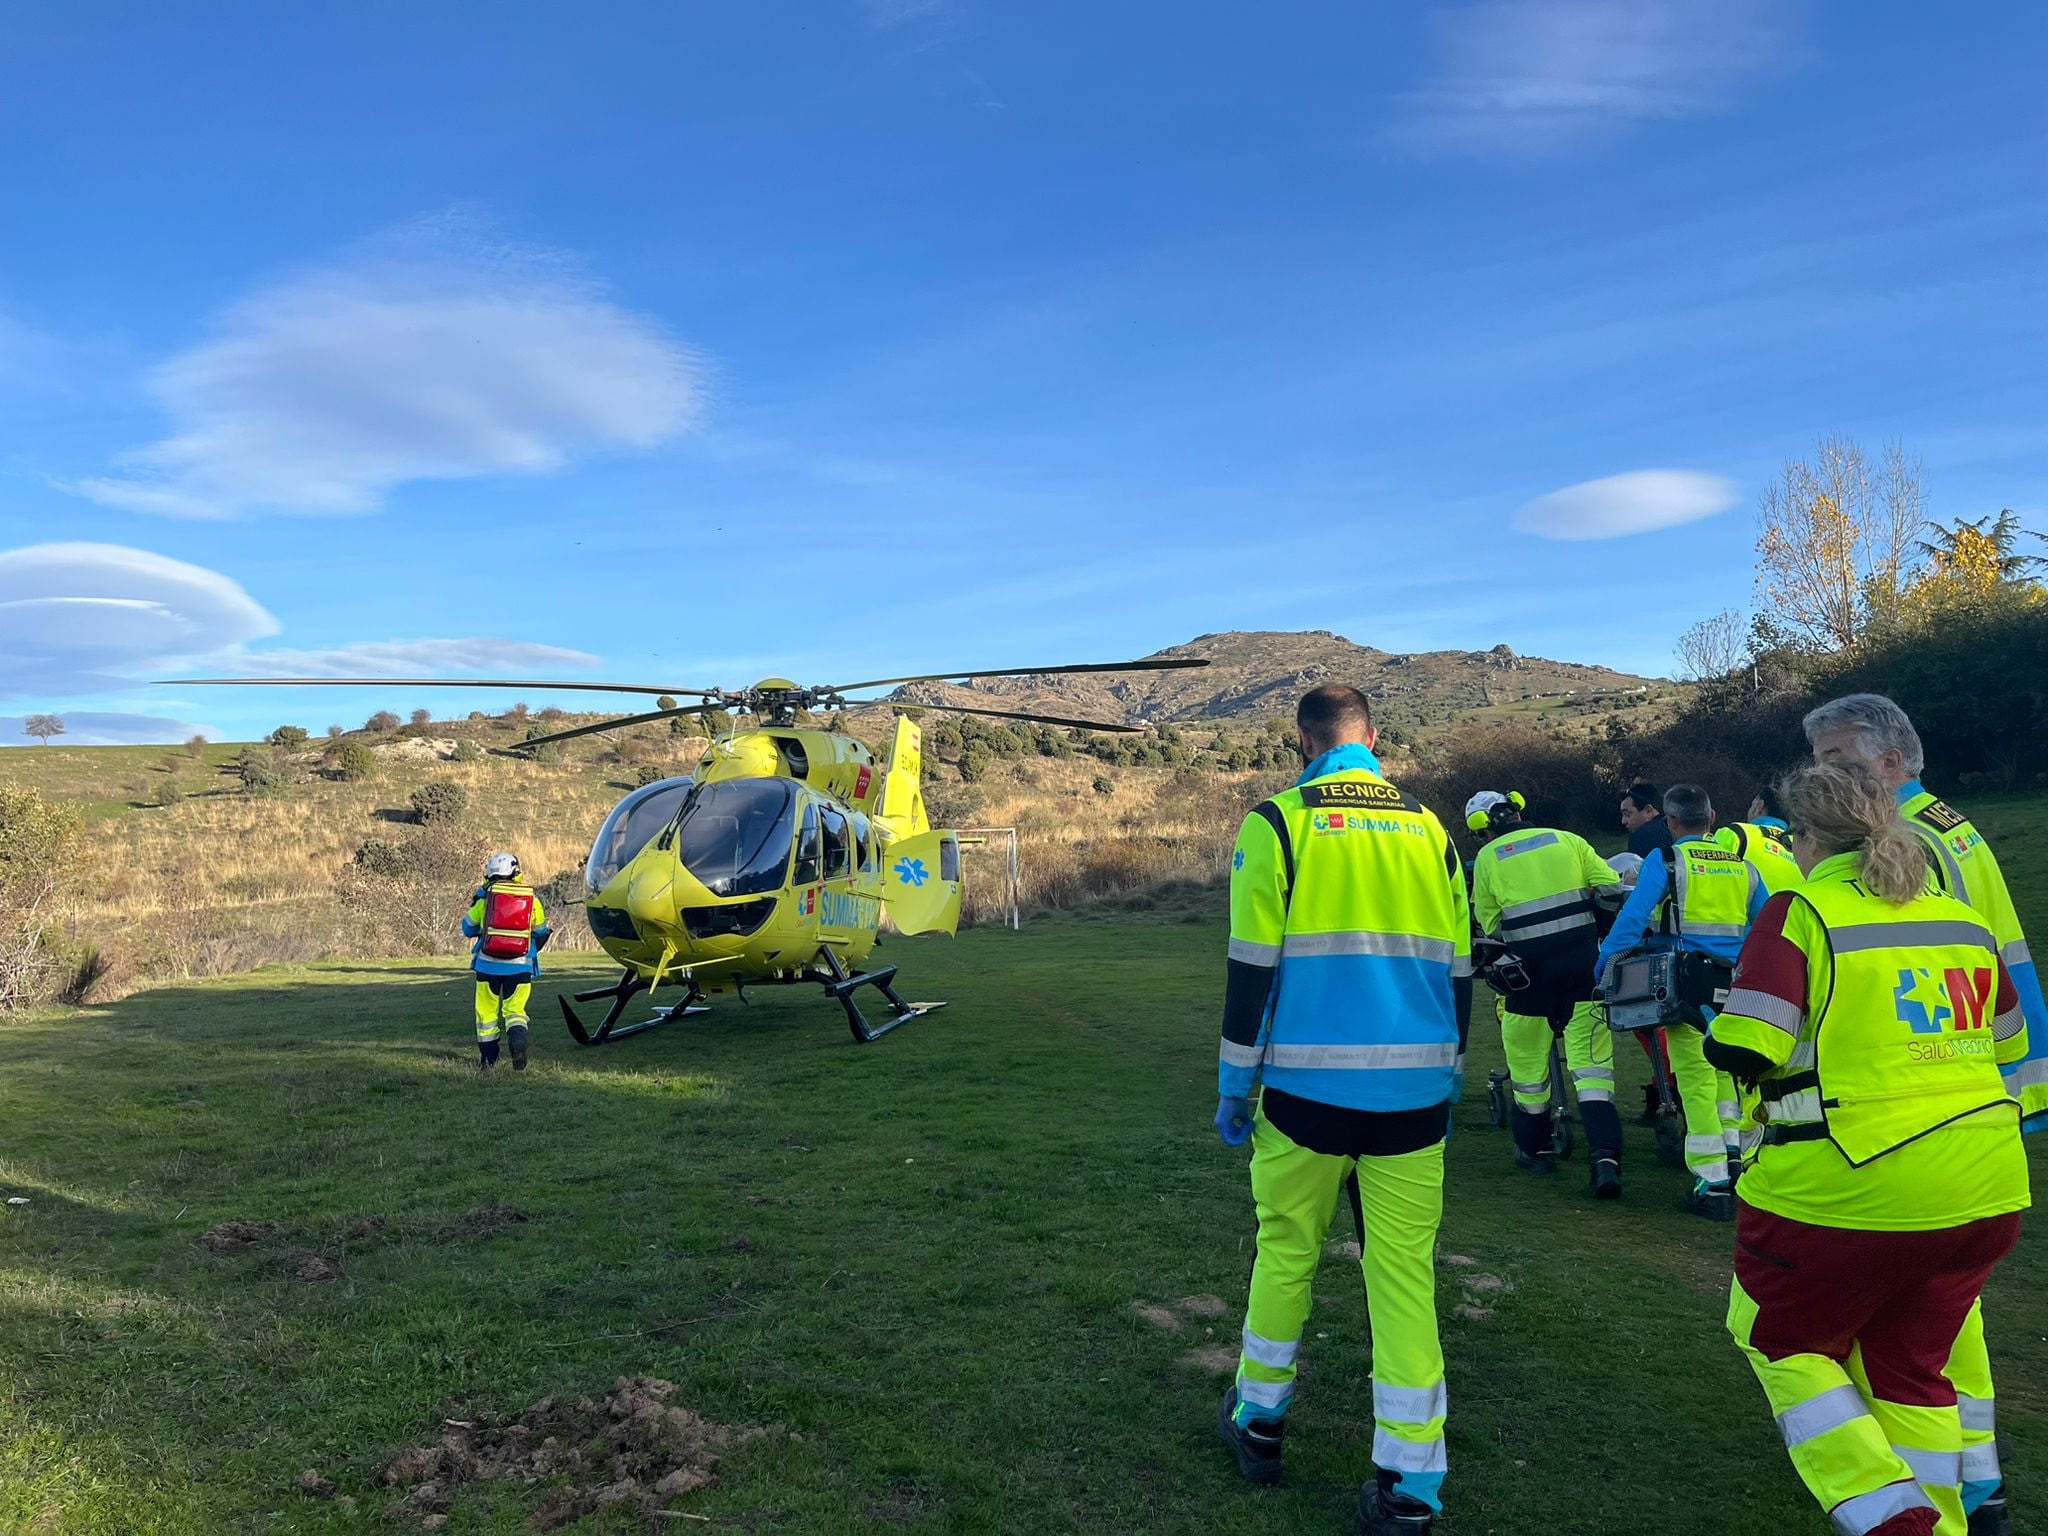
column 509, row 927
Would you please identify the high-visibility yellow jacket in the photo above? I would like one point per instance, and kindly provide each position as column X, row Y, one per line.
column 1348, row 927
column 1767, row 846
column 1967, row 869
column 1694, row 896
column 1536, row 884
column 504, row 913
column 1885, row 1027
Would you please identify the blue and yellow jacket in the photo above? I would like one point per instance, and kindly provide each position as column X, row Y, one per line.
column 488, row 965
column 1714, row 918
column 1350, row 945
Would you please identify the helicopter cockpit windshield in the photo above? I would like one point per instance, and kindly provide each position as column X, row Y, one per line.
column 626, row 831
column 735, row 836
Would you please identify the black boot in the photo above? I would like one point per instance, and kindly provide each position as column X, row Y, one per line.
column 1533, row 1149
column 488, row 1050
column 1606, row 1178
column 1716, row 1202
column 1383, row 1512
column 1990, row 1517
column 1256, row 1445
column 515, row 1041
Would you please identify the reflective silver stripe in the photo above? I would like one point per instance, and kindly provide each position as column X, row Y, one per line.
column 1727, row 1109
column 1797, row 1109
column 1233, row 1055
column 1978, row 1413
column 1263, row 1394
column 1555, row 925
column 1596, row 1095
column 1932, row 1469
column 1710, row 1145
column 1980, row 1463
column 1364, row 1057
column 1582, row 1073
column 2008, row 1024
column 1396, row 946
column 1804, row 1055
column 1929, row 934
column 1397, row 1455
column 1715, row 930
column 1534, row 1090
column 1951, row 872
column 1270, row 1351
column 2028, row 1073
column 1461, row 965
column 1527, row 844
column 1409, row 1405
column 1543, row 904
column 1249, row 952
column 1752, row 1139
column 2016, row 953
column 1819, row 1414
column 1748, row 1003
column 1867, row 1511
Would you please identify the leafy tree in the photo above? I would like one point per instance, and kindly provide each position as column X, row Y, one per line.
column 1104, row 784
column 44, row 726
column 439, row 800
column 259, row 773
column 974, row 762
column 381, row 723
column 682, row 725
column 549, row 755
column 467, row 751
column 1982, row 556
column 666, row 701
column 649, row 773
column 166, row 792
column 354, row 761
column 289, row 737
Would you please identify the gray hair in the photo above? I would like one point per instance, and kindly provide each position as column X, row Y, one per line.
column 1688, row 805
column 1880, row 725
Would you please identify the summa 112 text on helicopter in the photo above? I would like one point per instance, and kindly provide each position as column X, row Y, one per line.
column 777, row 858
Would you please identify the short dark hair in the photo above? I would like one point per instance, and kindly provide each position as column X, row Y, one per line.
column 1333, row 713
column 1688, row 805
column 1645, row 794
column 1773, row 804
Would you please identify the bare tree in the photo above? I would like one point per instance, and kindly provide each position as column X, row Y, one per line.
column 1714, row 647
column 43, row 726
column 1835, row 541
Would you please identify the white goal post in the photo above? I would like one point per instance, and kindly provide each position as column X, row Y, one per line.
column 1003, row 840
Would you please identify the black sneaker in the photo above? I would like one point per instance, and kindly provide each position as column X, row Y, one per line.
column 1536, row 1162
column 1716, row 1202
column 515, row 1041
column 1385, row 1513
column 1990, row 1517
column 1255, row 1445
column 1606, row 1179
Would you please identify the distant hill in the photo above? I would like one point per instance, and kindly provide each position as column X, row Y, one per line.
column 1262, row 672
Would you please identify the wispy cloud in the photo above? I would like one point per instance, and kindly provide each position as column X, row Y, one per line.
column 1638, row 502
column 429, row 355
column 1531, row 76
column 73, row 617
column 896, row 13
column 410, row 658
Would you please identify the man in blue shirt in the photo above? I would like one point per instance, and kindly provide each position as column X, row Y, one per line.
column 1698, row 898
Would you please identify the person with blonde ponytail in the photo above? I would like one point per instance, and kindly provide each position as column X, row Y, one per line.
column 1885, row 1172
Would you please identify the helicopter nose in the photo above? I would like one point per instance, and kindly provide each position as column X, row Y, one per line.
column 650, row 899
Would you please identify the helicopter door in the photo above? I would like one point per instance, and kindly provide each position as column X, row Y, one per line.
column 921, row 882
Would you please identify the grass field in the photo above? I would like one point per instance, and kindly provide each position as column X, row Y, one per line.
column 917, row 1265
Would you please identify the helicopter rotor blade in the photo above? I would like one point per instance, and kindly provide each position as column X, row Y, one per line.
column 616, row 722
column 1016, row 714
column 1162, row 664
column 426, row 682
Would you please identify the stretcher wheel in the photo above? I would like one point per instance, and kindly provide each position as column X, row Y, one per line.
column 1563, row 1136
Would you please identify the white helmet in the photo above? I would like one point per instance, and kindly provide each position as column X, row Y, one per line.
column 1482, row 804
column 502, row 866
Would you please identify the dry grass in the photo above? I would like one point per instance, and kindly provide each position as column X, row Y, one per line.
column 223, row 882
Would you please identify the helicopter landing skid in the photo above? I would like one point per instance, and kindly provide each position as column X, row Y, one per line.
column 841, row 984
column 622, row 992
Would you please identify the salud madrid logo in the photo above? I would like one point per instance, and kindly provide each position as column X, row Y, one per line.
column 1954, row 1002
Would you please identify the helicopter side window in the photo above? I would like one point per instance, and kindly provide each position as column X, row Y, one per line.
column 949, row 858
column 626, row 831
column 838, row 844
column 807, row 859
column 863, row 842
column 735, row 835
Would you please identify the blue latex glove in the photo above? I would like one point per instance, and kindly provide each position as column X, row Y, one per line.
column 1234, row 1121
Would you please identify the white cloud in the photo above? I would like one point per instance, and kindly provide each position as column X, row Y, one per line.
column 427, row 357
column 75, row 616
column 86, row 729
column 411, row 658
column 1531, row 75
column 1638, row 502
column 896, row 13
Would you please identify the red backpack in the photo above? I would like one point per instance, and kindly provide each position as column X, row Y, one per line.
column 508, row 922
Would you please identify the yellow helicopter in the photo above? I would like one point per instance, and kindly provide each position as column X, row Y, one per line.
column 777, row 858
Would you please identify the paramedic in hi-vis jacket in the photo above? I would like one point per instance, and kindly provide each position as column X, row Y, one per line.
column 509, row 927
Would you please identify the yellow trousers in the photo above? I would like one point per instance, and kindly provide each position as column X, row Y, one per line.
column 494, row 1012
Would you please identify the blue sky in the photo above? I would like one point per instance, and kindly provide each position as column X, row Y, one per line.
column 693, row 343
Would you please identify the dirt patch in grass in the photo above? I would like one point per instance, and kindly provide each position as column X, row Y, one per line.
column 1472, row 1313
column 234, row 1236
column 1204, row 1306
column 634, row 1447
column 1159, row 1317
column 1486, row 1284
column 1211, row 1359
column 366, row 1230
column 304, row 1264
column 483, row 1220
